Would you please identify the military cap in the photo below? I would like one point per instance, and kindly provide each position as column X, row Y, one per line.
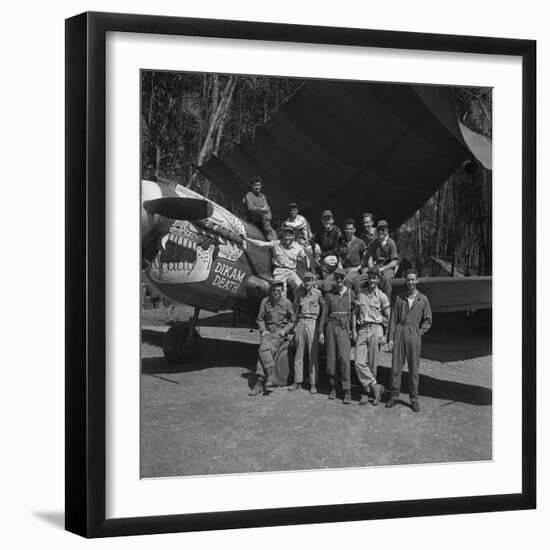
column 293, row 205
column 382, row 223
column 327, row 214
column 339, row 271
column 308, row 275
column 287, row 229
column 275, row 282
column 374, row 270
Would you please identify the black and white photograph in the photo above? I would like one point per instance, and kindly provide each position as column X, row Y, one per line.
column 316, row 285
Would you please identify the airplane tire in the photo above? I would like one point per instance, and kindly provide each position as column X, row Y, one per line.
column 175, row 346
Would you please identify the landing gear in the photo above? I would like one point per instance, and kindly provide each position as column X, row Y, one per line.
column 181, row 341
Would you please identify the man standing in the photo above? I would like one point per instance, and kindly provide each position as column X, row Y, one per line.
column 352, row 251
column 308, row 303
column 258, row 208
column 368, row 235
column 329, row 239
column 411, row 318
column 275, row 321
column 297, row 222
column 337, row 312
column 370, row 317
column 383, row 254
column 286, row 254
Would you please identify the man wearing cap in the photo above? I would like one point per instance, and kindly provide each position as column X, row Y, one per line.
column 352, row 252
column 383, row 254
column 297, row 222
column 370, row 316
column 286, row 254
column 329, row 238
column 275, row 321
column 411, row 318
column 308, row 303
column 337, row 312
column 258, row 208
column 368, row 235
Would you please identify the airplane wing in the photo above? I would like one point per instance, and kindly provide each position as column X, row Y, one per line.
column 453, row 293
column 351, row 146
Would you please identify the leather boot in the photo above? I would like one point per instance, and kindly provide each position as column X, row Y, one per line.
column 377, row 390
column 258, row 387
column 269, row 383
column 332, row 394
column 347, row 397
column 295, row 386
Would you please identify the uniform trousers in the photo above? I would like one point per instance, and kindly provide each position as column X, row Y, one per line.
column 307, row 338
column 367, row 352
column 385, row 284
column 269, row 345
column 287, row 275
column 406, row 345
column 338, row 344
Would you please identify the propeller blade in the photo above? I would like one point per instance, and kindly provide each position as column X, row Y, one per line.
column 179, row 208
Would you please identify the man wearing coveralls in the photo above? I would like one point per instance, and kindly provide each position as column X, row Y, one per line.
column 337, row 311
column 275, row 321
column 370, row 317
column 308, row 303
column 411, row 318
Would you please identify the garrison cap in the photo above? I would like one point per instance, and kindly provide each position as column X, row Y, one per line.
column 382, row 223
column 308, row 275
column 339, row 272
column 327, row 214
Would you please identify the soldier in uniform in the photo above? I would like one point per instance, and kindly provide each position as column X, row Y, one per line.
column 328, row 238
column 337, row 312
column 258, row 209
column 275, row 321
column 410, row 319
column 298, row 222
column 383, row 254
column 370, row 318
column 308, row 303
column 352, row 252
column 286, row 255
column 369, row 232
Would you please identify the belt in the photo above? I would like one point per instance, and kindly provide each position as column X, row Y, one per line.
column 370, row 324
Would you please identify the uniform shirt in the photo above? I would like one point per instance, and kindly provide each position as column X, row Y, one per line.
column 287, row 257
column 338, row 307
column 308, row 305
column 329, row 241
column 275, row 316
column 419, row 315
column 300, row 225
column 254, row 204
column 371, row 305
column 383, row 252
column 351, row 253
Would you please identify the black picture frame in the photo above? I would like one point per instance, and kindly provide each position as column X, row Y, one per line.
column 86, row 274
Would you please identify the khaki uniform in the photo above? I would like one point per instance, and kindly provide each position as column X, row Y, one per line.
column 278, row 319
column 308, row 307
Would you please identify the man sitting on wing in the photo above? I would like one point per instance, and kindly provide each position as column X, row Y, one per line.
column 328, row 238
column 352, row 252
column 383, row 254
column 258, row 209
column 297, row 222
column 286, row 254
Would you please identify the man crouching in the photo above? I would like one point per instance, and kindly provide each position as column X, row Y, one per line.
column 275, row 321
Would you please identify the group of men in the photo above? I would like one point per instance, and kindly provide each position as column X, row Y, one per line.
column 344, row 296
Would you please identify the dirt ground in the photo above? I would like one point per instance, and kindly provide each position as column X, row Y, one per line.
column 198, row 419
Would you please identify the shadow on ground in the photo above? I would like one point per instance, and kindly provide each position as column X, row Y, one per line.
column 57, row 519
column 212, row 353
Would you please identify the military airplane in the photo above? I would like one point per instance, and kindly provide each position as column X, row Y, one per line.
column 347, row 146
